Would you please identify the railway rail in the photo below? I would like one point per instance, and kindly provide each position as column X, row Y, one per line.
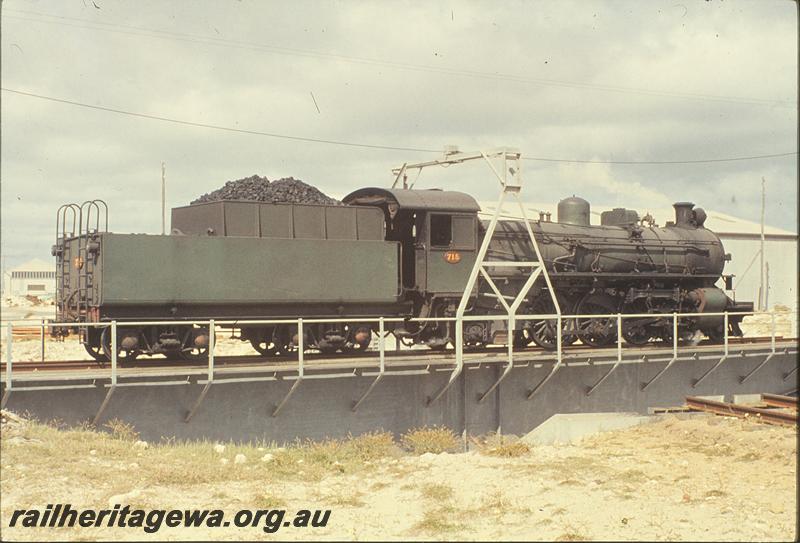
column 224, row 360
column 768, row 416
column 777, row 400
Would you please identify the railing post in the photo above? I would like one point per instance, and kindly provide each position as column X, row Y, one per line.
column 721, row 360
column 42, row 338
column 556, row 366
column 459, row 359
column 9, row 354
column 769, row 356
column 300, row 368
column 212, row 341
column 9, row 364
column 113, row 353
column 559, row 339
column 300, row 348
column 113, row 386
column 382, row 343
column 726, row 333
column 675, row 336
column 510, row 365
column 619, row 356
column 674, row 352
column 382, row 366
column 772, row 341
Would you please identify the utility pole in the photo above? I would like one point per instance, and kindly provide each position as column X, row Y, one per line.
column 163, row 199
column 762, row 295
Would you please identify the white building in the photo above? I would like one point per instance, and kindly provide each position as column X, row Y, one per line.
column 740, row 238
column 35, row 277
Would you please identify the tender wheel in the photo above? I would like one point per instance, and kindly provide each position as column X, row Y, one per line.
column 96, row 352
column 123, row 355
column 265, row 343
column 283, row 338
column 265, row 347
column 544, row 332
column 596, row 332
column 194, row 345
column 359, row 338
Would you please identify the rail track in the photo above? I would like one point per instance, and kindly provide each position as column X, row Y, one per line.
column 768, row 416
column 313, row 357
column 776, row 400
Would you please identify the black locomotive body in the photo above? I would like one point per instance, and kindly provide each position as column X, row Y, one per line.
column 387, row 253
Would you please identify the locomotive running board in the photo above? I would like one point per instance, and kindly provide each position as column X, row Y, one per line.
column 509, row 184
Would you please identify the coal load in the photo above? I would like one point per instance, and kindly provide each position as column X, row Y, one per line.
column 261, row 189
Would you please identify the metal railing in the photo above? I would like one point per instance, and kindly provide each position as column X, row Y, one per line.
column 301, row 375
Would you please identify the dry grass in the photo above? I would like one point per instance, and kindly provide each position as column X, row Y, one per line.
column 503, row 446
column 347, row 499
column 89, row 454
column 434, row 440
column 122, row 430
column 437, row 491
column 495, row 502
column 572, row 533
column 436, row 522
column 268, row 501
column 547, row 492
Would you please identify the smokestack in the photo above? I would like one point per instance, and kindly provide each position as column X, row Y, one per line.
column 683, row 214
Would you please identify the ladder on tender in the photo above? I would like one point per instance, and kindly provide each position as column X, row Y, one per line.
column 66, row 222
column 88, row 244
column 77, row 229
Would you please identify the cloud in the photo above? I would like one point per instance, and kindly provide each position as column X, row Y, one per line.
column 582, row 86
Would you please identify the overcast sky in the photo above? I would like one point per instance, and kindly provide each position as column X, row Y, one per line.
column 679, row 80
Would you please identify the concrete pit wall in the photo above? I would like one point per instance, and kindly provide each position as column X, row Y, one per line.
column 321, row 408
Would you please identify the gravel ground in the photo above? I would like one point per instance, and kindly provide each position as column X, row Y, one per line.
column 682, row 478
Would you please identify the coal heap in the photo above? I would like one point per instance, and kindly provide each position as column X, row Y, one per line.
column 261, row 189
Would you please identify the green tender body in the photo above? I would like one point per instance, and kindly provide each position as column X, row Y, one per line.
column 147, row 269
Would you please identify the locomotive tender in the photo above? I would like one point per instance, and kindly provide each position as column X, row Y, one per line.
column 386, row 252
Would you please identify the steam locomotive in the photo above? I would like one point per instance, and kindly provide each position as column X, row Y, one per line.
column 385, row 252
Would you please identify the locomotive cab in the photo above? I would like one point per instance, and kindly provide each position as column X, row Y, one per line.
column 438, row 235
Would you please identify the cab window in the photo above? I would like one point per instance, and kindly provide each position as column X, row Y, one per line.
column 464, row 232
column 441, row 230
